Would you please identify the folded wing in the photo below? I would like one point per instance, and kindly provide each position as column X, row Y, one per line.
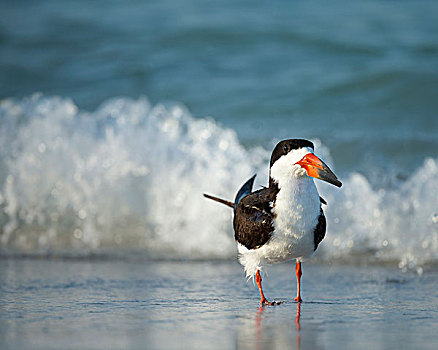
column 253, row 218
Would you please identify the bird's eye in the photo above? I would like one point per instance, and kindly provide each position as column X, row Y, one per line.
column 286, row 148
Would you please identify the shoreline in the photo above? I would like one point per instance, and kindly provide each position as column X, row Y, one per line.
column 48, row 304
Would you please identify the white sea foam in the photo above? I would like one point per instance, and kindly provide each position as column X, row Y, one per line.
column 129, row 177
column 397, row 224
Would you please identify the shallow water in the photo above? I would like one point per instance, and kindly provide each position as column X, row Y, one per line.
column 61, row 304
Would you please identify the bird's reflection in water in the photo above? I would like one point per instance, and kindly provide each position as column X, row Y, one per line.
column 262, row 331
column 258, row 327
column 297, row 326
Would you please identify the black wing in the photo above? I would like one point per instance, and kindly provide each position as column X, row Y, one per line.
column 245, row 190
column 253, row 218
column 319, row 233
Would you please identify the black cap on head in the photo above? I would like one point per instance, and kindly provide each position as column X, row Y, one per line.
column 285, row 146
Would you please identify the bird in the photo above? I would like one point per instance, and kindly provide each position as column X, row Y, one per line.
column 284, row 221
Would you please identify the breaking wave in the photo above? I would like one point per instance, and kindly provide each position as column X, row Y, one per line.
column 129, row 177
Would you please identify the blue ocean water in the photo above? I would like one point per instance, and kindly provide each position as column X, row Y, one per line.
column 116, row 116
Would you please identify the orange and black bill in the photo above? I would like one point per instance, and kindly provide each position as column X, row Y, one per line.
column 316, row 168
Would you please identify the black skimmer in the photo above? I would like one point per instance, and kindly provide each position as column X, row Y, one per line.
column 284, row 221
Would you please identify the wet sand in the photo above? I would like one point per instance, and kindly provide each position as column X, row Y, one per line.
column 50, row 304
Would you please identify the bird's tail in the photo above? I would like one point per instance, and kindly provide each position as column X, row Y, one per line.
column 220, row 200
column 244, row 191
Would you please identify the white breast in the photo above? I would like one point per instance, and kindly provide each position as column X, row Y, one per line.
column 296, row 214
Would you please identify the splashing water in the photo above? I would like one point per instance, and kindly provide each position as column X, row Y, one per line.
column 129, row 177
column 398, row 224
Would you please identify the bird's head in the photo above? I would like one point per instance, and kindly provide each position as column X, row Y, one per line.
column 295, row 157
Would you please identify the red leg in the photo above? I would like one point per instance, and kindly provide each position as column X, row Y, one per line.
column 299, row 273
column 258, row 279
